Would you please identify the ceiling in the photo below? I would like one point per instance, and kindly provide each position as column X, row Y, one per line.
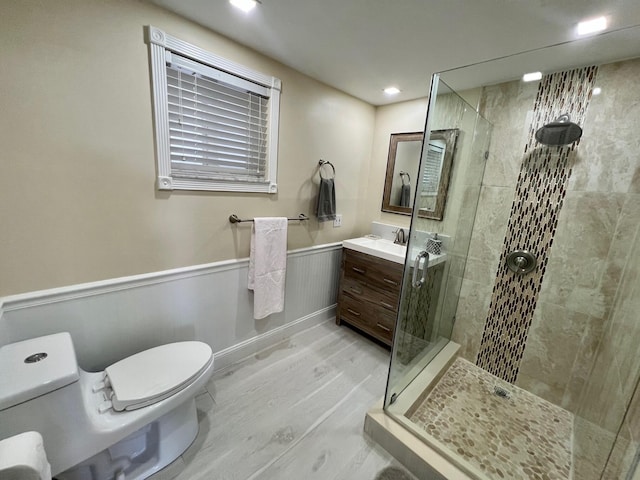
column 363, row 46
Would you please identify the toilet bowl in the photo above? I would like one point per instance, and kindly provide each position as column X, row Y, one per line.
column 126, row 422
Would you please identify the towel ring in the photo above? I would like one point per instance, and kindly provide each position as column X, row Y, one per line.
column 402, row 174
column 322, row 163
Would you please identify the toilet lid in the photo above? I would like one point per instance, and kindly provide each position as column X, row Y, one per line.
column 155, row 374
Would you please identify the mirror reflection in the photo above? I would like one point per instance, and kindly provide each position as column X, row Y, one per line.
column 403, row 180
column 402, row 172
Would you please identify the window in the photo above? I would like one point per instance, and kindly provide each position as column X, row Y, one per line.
column 433, row 167
column 216, row 122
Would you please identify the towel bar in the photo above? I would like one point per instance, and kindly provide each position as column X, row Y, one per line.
column 233, row 218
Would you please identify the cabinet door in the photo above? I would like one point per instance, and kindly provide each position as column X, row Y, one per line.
column 369, row 294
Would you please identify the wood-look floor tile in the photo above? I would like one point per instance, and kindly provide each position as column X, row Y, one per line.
column 335, row 447
column 294, row 410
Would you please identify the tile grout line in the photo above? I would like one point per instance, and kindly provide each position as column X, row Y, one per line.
column 295, row 355
column 322, row 387
column 277, row 362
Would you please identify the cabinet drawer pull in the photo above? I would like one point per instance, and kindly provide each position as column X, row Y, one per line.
column 386, row 329
column 358, row 270
column 386, row 305
column 390, row 282
column 356, row 290
column 353, row 312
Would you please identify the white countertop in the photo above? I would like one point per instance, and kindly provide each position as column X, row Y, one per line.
column 386, row 249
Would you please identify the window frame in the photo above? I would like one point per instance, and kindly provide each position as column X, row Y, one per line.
column 159, row 44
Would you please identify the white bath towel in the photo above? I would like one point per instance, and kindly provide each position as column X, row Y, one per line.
column 268, row 265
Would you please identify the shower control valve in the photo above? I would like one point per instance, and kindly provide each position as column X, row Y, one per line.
column 521, row 262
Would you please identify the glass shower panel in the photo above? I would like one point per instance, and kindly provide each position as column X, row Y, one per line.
column 547, row 370
column 431, row 288
column 468, row 205
column 607, row 421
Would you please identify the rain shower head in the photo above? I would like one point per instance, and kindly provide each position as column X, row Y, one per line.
column 561, row 132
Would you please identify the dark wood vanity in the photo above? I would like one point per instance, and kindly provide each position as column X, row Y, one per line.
column 369, row 294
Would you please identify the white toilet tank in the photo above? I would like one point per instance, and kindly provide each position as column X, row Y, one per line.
column 40, row 390
column 35, row 367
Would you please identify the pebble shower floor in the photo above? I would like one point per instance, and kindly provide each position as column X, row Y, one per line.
column 502, row 432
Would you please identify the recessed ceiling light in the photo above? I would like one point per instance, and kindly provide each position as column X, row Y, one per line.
column 244, row 5
column 596, row 91
column 392, row 90
column 531, row 77
column 592, row 26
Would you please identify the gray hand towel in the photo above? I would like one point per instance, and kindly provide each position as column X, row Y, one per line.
column 405, row 196
column 326, row 209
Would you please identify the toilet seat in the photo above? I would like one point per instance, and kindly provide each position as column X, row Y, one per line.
column 155, row 374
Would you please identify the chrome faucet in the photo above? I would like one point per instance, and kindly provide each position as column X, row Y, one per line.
column 401, row 237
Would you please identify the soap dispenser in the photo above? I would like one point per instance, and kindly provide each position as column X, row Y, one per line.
column 434, row 245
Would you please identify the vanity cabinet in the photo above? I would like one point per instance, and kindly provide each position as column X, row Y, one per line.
column 369, row 294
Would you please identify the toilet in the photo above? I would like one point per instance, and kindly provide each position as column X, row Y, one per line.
column 124, row 423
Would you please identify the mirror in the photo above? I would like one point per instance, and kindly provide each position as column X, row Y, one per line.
column 402, row 172
column 403, row 177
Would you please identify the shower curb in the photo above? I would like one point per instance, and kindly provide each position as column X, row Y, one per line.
column 421, row 460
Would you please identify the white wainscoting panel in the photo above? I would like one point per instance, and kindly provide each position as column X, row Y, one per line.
column 112, row 319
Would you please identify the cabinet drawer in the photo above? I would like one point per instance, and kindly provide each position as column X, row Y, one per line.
column 360, row 290
column 373, row 320
column 375, row 272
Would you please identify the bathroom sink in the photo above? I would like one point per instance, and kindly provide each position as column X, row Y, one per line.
column 378, row 247
column 386, row 249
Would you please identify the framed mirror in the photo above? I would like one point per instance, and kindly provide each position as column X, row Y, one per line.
column 403, row 180
column 402, row 172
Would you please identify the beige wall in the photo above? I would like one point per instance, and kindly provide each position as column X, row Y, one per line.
column 78, row 201
column 403, row 117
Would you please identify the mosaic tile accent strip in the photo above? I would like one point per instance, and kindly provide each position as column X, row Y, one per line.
column 520, row 437
column 540, row 191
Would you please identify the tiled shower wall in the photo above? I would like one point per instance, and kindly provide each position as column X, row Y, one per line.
column 610, row 401
column 540, row 191
column 592, row 242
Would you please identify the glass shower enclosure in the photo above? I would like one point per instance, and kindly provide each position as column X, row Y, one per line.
column 514, row 372
column 432, row 281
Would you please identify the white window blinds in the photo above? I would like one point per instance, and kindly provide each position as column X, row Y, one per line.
column 218, row 123
column 432, row 169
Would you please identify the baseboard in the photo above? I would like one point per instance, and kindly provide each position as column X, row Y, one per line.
column 249, row 347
